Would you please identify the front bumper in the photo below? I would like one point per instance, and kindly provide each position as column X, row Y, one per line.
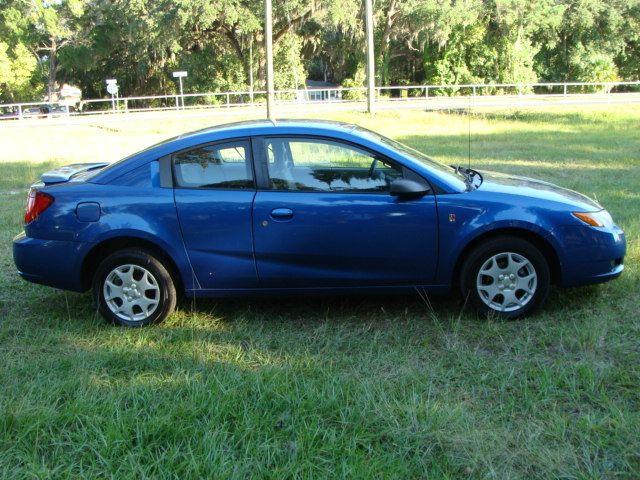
column 56, row 263
column 591, row 255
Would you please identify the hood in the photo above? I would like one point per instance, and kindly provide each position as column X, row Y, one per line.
column 529, row 187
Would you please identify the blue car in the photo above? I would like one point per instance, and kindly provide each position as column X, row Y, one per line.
column 305, row 207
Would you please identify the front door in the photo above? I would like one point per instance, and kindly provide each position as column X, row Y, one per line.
column 214, row 190
column 326, row 219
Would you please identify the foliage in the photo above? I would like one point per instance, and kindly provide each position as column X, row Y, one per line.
column 358, row 82
column 289, row 72
column 140, row 42
column 17, row 70
column 20, row 75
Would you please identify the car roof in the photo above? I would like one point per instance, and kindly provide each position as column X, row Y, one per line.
column 265, row 125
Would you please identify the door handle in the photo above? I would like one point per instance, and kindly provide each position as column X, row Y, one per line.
column 281, row 213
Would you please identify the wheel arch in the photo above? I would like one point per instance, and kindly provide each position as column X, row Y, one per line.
column 108, row 246
column 540, row 242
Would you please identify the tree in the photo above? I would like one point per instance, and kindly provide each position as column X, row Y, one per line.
column 591, row 35
column 53, row 26
column 140, row 42
column 19, row 74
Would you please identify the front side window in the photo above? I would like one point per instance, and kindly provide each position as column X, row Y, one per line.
column 308, row 164
column 226, row 165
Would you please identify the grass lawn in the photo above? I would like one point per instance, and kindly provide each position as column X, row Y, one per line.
column 330, row 387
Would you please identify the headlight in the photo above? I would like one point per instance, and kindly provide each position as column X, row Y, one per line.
column 595, row 219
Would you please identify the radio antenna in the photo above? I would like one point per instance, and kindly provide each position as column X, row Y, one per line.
column 469, row 136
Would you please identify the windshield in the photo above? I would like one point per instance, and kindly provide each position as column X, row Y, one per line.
column 415, row 155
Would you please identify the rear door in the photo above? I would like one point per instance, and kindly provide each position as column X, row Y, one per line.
column 214, row 190
column 323, row 217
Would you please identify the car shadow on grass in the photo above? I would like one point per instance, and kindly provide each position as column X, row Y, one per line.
column 301, row 310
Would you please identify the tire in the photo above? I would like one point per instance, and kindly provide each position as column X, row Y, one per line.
column 505, row 276
column 133, row 288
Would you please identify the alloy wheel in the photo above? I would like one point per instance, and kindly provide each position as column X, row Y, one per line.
column 506, row 281
column 131, row 292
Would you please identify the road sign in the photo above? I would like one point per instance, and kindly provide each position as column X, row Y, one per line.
column 112, row 85
column 112, row 88
column 180, row 75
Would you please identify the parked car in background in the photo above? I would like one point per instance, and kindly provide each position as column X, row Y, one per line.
column 262, row 208
column 9, row 113
column 61, row 110
column 40, row 111
column 47, row 111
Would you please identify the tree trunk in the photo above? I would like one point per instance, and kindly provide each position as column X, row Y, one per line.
column 386, row 41
column 53, row 69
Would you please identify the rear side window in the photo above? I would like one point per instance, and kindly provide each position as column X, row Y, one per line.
column 222, row 165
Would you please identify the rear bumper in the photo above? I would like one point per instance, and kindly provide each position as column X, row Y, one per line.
column 56, row 263
column 591, row 255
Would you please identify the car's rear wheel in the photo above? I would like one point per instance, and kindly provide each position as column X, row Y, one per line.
column 133, row 288
column 505, row 276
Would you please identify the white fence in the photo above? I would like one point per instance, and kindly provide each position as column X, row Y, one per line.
column 412, row 96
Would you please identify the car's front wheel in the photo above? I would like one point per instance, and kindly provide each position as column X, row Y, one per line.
column 133, row 288
column 505, row 276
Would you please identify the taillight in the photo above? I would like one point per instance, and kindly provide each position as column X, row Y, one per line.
column 37, row 202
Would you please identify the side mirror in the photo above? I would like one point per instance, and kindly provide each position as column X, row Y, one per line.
column 404, row 188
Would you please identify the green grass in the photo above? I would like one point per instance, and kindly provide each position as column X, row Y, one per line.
column 330, row 387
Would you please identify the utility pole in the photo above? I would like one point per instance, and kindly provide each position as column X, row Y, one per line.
column 268, row 39
column 371, row 75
